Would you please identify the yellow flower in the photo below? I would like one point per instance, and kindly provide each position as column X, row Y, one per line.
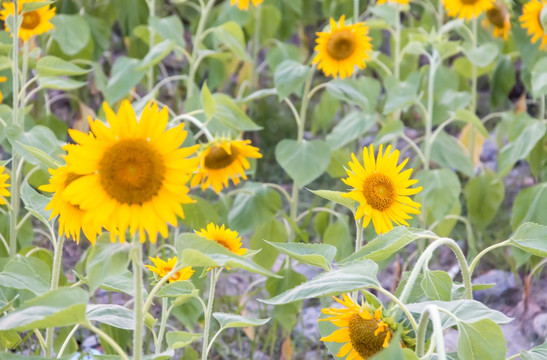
column 530, row 20
column 402, row 2
column 244, row 4
column 467, row 9
column 162, row 268
column 228, row 238
column 2, row 79
column 71, row 217
column 343, row 48
column 364, row 330
column 381, row 189
column 133, row 174
column 223, row 160
column 498, row 18
column 4, row 192
column 35, row 22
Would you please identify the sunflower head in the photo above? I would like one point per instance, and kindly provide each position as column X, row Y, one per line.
column 531, row 21
column 244, row 4
column 222, row 160
column 402, row 2
column 228, row 238
column 381, row 189
column 498, row 19
column 4, row 192
column 342, row 48
column 35, row 22
column 364, row 330
column 467, row 9
column 162, row 268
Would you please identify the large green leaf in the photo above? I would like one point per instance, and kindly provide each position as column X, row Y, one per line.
column 169, row 28
column 36, row 204
column 529, row 206
column 105, row 260
column 484, row 195
column 71, row 32
column 532, row 238
column 111, row 314
column 441, row 192
column 255, row 205
column 231, row 115
column 320, row 255
column 25, row 274
column 449, row 152
column 336, row 196
column 537, row 353
column 304, row 161
column 231, row 35
column 156, row 54
column 178, row 289
column 484, row 54
column 227, row 321
column 399, row 96
column 437, row 285
column 519, row 148
column 125, row 75
column 289, row 76
column 53, row 66
column 272, row 230
column 180, row 339
column 349, row 91
column 481, row 340
column 539, row 78
column 351, row 127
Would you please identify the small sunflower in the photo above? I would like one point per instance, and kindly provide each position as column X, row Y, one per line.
column 467, row 9
column 530, row 20
column 364, row 330
column 244, row 4
column 162, row 268
column 2, row 79
column 223, row 160
column 71, row 217
column 499, row 20
column 402, row 2
column 133, row 174
column 4, row 192
column 35, row 22
column 343, row 48
column 228, row 238
column 381, row 189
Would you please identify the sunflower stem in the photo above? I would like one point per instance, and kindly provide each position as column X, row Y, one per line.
column 151, row 40
column 256, row 47
column 477, row 258
column 541, row 110
column 55, row 275
column 430, row 312
column 208, row 313
column 355, row 11
column 397, row 40
column 107, row 338
column 138, row 303
column 164, row 315
column 400, row 304
column 440, row 14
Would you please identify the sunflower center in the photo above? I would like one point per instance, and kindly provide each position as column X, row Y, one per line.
column 131, row 171
column 223, row 243
column 361, row 334
column 379, row 191
column 341, row 45
column 218, row 158
column 30, row 20
column 469, row 2
column 496, row 17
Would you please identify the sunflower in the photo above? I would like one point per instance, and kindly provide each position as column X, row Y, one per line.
column 402, row 2
column 364, row 330
column 4, row 192
column 35, row 22
column 530, row 20
column 162, row 268
column 71, row 217
column 244, row 4
column 2, row 79
column 381, row 189
column 498, row 18
column 133, row 174
column 228, row 238
column 222, row 160
column 467, row 9
column 343, row 48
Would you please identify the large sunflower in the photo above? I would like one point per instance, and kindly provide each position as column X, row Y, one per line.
column 499, row 20
column 71, row 217
column 228, row 238
column 35, row 22
column 222, row 160
column 4, row 192
column 244, row 4
column 162, row 268
column 381, row 189
column 530, row 20
column 467, row 9
column 343, row 48
column 133, row 174
column 364, row 330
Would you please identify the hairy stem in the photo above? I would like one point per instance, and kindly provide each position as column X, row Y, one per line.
column 138, row 305
column 214, row 277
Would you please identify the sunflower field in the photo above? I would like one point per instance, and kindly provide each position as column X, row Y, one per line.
column 273, row 179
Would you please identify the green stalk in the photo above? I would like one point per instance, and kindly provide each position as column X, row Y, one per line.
column 430, row 100
column 477, row 258
column 55, row 275
column 355, row 11
column 256, row 47
column 207, row 327
column 474, row 95
column 138, row 300
column 163, row 323
column 432, row 312
column 151, row 40
column 397, row 45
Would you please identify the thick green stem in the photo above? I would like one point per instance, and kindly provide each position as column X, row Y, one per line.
column 55, row 275
column 151, row 40
column 355, row 11
column 432, row 312
column 163, row 323
column 208, row 314
column 138, row 300
column 541, row 110
column 430, row 101
column 477, row 258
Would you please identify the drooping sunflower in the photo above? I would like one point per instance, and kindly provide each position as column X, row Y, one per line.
column 467, row 9
column 366, row 331
column 342, row 48
column 4, row 192
column 162, row 268
column 499, row 20
column 381, row 189
column 71, row 217
column 228, row 238
column 530, row 20
column 222, row 160
column 244, row 4
column 133, row 174
column 35, row 22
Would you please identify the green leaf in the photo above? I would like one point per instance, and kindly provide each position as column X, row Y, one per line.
column 36, row 204
column 28, row 7
column 207, row 101
column 194, row 250
column 481, row 340
column 537, row 353
column 441, row 192
column 520, row 148
column 539, row 78
column 255, row 205
column 303, row 161
column 355, row 276
column 114, row 315
column 529, row 206
column 178, row 289
column 437, row 285
column 338, row 235
column 336, row 196
column 449, row 152
column 125, row 75
column 348, row 90
column 5, row 63
column 350, row 128
column 393, row 352
column 531, row 238
column 231, row 115
column 399, row 96
column 231, row 35
column 23, row 274
column 41, row 156
column 199, row 214
column 385, row 245
column 227, row 321
column 59, row 83
column 71, row 32
column 57, row 308
column 53, row 66
column 273, row 230
column 484, row 195
column 289, row 76
column 483, row 55
column 105, row 260
column 169, row 28
column 156, row 54
column 180, row 339
column 320, row 255
column 39, row 137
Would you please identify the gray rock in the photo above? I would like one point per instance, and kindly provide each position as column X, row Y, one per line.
column 540, row 325
column 504, row 282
